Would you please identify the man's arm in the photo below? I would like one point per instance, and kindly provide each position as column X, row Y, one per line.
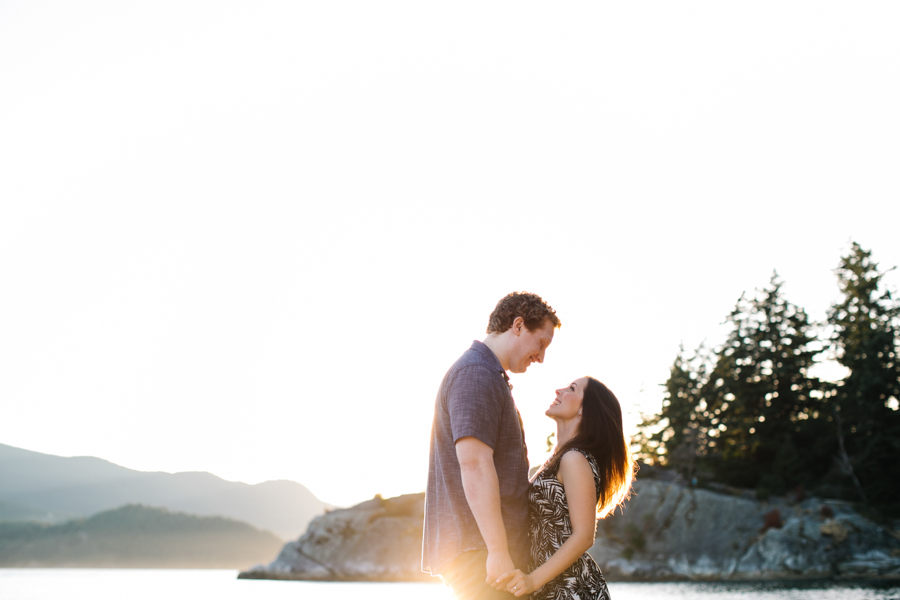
column 482, row 488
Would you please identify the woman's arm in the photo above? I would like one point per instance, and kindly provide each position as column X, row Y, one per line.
column 577, row 477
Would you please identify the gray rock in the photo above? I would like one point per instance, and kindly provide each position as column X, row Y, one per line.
column 378, row 540
column 667, row 531
column 683, row 532
column 785, row 553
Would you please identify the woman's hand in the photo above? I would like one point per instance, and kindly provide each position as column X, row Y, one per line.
column 517, row 582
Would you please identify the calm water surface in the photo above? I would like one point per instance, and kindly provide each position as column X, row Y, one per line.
column 152, row 584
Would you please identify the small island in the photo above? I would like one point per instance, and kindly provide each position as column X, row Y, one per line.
column 668, row 531
column 754, row 468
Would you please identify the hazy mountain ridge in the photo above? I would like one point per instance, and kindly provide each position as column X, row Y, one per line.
column 36, row 483
column 136, row 536
column 16, row 511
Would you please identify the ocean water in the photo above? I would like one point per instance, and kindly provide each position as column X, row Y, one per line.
column 153, row 584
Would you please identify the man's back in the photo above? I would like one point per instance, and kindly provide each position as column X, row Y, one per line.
column 474, row 400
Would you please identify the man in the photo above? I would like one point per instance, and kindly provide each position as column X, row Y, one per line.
column 476, row 503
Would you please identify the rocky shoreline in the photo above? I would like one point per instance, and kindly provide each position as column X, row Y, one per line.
column 377, row 540
column 672, row 532
column 667, row 532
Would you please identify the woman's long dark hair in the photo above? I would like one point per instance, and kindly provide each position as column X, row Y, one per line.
column 600, row 434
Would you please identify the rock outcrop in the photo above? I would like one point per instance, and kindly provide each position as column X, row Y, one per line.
column 377, row 540
column 667, row 531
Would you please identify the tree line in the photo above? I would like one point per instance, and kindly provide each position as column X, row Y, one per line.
column 750, row 414
column 136, row 536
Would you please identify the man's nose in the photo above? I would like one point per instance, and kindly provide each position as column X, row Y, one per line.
column 540, row 357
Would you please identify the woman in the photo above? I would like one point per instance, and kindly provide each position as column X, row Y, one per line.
column 587, row 477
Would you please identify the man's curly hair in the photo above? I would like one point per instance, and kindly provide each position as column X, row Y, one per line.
column 533, row 310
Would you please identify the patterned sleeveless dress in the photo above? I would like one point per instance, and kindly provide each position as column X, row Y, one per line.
column 550, row 527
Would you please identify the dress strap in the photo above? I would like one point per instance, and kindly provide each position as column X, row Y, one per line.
column 553, row 469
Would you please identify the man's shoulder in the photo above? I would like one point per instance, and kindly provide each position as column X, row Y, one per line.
column 477, row 354
column 471, row 362
column 469, row 358
column 472, row 370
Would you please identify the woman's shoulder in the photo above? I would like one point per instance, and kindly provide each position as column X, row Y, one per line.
column 578, row 458
column 573, row 457
column 575, row 454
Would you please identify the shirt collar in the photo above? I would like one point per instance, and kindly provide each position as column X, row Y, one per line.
column 490, row 359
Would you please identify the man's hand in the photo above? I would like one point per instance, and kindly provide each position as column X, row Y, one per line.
column 498, row 565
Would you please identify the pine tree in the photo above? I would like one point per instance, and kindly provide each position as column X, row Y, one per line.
column 677, row 436
column 763, row 407
column 752, row 413
column 865, row 323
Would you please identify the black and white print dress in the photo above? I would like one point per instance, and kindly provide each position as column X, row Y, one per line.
column 550, row 527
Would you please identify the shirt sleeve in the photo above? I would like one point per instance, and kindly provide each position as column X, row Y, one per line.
column 473, row 405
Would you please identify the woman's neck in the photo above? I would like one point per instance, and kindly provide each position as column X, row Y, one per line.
column 565, row 431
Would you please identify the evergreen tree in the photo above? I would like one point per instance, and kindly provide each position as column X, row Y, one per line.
column 752, row 415
column 677, row 436
column 764, row 409
column 865, row 323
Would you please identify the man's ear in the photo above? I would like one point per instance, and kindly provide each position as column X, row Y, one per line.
column 518, row 325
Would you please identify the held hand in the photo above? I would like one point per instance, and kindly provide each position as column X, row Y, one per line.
column 503, row 582
column 498, row 564
column 520, row 584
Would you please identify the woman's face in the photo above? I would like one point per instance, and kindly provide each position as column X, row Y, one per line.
column 567, row 404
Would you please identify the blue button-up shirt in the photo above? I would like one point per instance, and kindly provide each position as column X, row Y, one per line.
column 474, row 400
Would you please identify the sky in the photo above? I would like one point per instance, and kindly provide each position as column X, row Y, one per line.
column 250, row 238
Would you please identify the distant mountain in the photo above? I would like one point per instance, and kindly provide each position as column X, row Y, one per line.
column 137, row 537
column 15, row 511
column 53, row 486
